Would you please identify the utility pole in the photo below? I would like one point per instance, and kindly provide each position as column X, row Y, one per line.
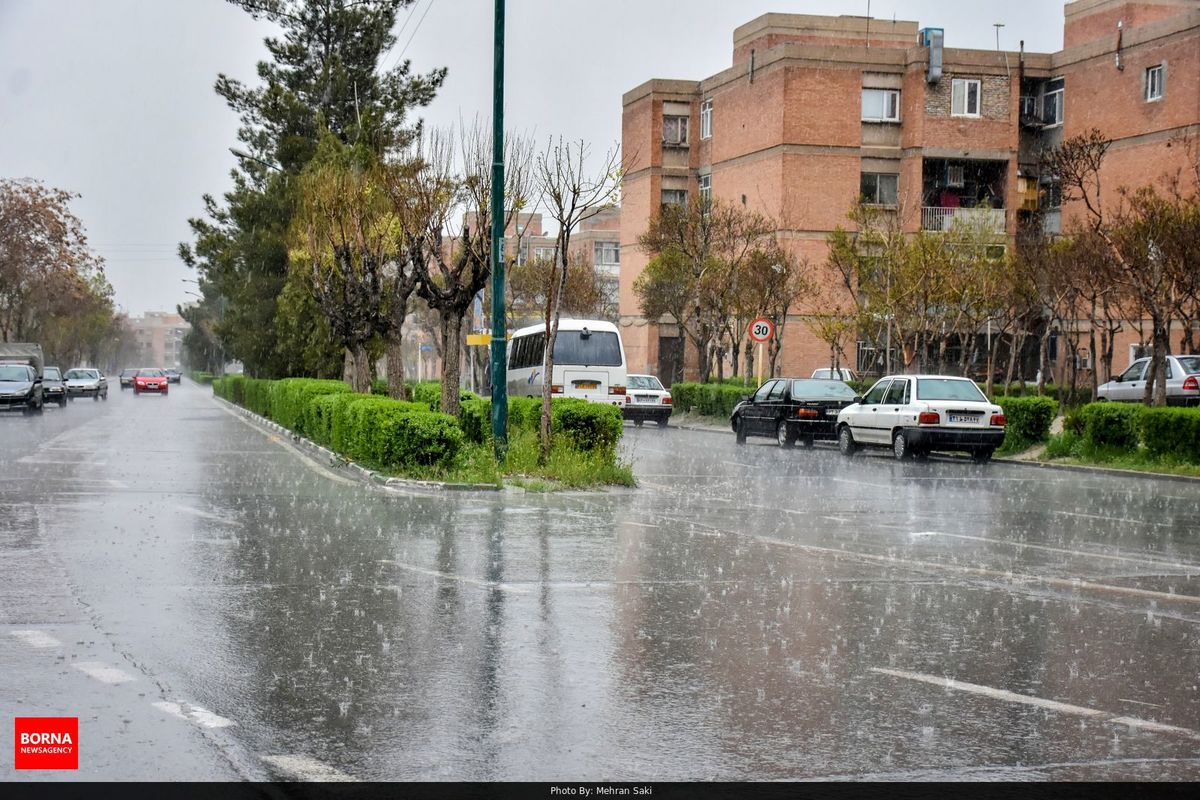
column 499, row 337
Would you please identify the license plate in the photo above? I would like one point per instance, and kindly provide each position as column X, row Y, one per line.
column 969, row 419
column 587, row 385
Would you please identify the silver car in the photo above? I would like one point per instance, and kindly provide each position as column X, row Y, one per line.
column 82, row 382
column 1183, row 382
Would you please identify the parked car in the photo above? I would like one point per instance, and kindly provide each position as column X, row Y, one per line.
column 1183, row 382
column 20, row 387
column 918, row 414
column 840, row 374
column 126, row 377
column 646, row 399
column 84, row 381
column 173, row 375
column 54, row 389
column 151, row 380
column 792, row 410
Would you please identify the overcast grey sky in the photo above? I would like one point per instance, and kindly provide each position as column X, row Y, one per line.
column 113, row 99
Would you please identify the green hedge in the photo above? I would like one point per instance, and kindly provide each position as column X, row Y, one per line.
column 290, row 399
column 1028, row 418
column 709, row 399
column 231, row 388
column 1171, row 432
column 204, row 378
column 592, row 427
column 258, row 394
column 393, row 432
column 1111, row 425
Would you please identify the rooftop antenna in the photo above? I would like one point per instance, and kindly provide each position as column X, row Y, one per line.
column 868, row 24
column 997, row 26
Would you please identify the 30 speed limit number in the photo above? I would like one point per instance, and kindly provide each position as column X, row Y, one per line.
column 761, row 330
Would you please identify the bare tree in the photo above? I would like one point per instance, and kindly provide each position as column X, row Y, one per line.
column 572, row 194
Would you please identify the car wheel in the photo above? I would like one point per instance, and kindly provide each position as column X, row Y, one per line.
column 637, row 423
column 846, row 443
column 900, row 446
column 63, row 402
column 739, row 430
column 96, row 397
column 982, row 456
column 783, row 436
column 808, row 442
column 662, row 423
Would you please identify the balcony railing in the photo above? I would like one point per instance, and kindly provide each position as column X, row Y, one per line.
column 989, row 220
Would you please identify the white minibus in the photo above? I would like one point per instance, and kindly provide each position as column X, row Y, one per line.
column 589, row 361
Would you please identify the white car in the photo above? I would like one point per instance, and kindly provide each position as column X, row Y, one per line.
column 840, row 374
column 82, row 382
column 917, row 414
column 1183, row 382
column 646, row 399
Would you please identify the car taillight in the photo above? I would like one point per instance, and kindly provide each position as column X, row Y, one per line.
column 628, row 399
column 998, row 420
column 1191, row 384
column 556, row 388
column 807, row 413
column 667, row 400
column 929, row 418
column 616, row 390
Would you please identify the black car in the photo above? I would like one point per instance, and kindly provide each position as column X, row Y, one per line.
column 792, row 410
column 173, row 375
column 54, row 389
column 127, row 376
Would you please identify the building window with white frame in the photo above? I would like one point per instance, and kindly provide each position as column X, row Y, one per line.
column 1155, row 78
column 706, row 119
column 543, row 253
column 1052, row 103
column 675, row 131
column 965, row 94
column 705, row 185
column 880, row 105
column 606, row 254
column 879, row 188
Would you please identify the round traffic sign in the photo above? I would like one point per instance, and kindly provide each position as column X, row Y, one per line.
column 761, row 330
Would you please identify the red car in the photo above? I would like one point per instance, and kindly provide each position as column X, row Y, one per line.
column 150, row 380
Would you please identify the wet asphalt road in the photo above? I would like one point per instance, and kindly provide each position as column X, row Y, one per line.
column 211, row 605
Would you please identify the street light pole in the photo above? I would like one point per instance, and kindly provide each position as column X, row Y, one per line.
column 499, row 338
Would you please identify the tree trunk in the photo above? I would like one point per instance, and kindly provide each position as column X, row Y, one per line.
column 1043, row 360
column 553, row 318
column 736, row 349
column 360, row 369
column 395, row 365
column 348, row 368
column 451, row 359
column 749, row 372
column 1156, row 383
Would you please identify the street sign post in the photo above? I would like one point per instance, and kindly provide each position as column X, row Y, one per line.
column 760, row 331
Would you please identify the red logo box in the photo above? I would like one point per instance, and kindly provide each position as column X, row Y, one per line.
column 46, row 743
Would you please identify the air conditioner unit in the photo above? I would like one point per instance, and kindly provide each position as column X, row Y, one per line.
column 955, row 176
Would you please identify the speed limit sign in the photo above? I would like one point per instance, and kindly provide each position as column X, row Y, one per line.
column 761, row 330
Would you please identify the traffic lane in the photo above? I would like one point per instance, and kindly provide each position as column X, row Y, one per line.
column 57, row 656
column 576, row 635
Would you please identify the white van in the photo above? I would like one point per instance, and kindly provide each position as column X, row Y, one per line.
column 589, row 361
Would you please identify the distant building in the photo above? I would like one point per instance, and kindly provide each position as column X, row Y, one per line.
column 159, row 337
column 816, row 112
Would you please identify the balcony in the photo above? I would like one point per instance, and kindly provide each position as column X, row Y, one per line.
column 987, row 220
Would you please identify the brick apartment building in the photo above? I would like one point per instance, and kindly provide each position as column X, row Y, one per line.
column 816, row 111
column 159, row 338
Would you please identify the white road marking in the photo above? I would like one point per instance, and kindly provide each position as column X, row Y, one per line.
column 104, row 673
column 204, row 514
column 39, row 639
column 1047, row 548
column 1113, row 519
column 504, row 587
column 642, row 524
column 1039, row 702
column 740, row 464
column 200, row 716
column 308, row 769
column 864, row 483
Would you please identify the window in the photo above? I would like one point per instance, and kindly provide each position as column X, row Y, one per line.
column 705, row 182
column 880, row 105
column 777, row 390
column 879, row 188
column 1155, row 77
column 676, row 197
column 964, row 98
column 897, row 395
column 587, row 348
column 761, row 395
column 1134, row 373
column 875, row 396
column 948, row 389
column 543, row 253
column 1052, row 103
column 606, row 253
column 706, row 119
column 675, row 130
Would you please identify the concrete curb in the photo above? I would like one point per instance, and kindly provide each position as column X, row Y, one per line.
column 331, row 460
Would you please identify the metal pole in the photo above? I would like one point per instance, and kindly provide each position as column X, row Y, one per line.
column 499, row 338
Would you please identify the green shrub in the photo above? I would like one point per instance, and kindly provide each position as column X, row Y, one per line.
column 1073, row 421
column 1111, row 425
column 257, row 395
column 588, row 426
column 345, row 423
column 231, row 388
column 524, row 413
column 290, row 399
column 393, row 433
column 709, row 399
column 1171, row 432
column 428, row 393
column 203, row 378
column 1067, row 444
column 1028, row 418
